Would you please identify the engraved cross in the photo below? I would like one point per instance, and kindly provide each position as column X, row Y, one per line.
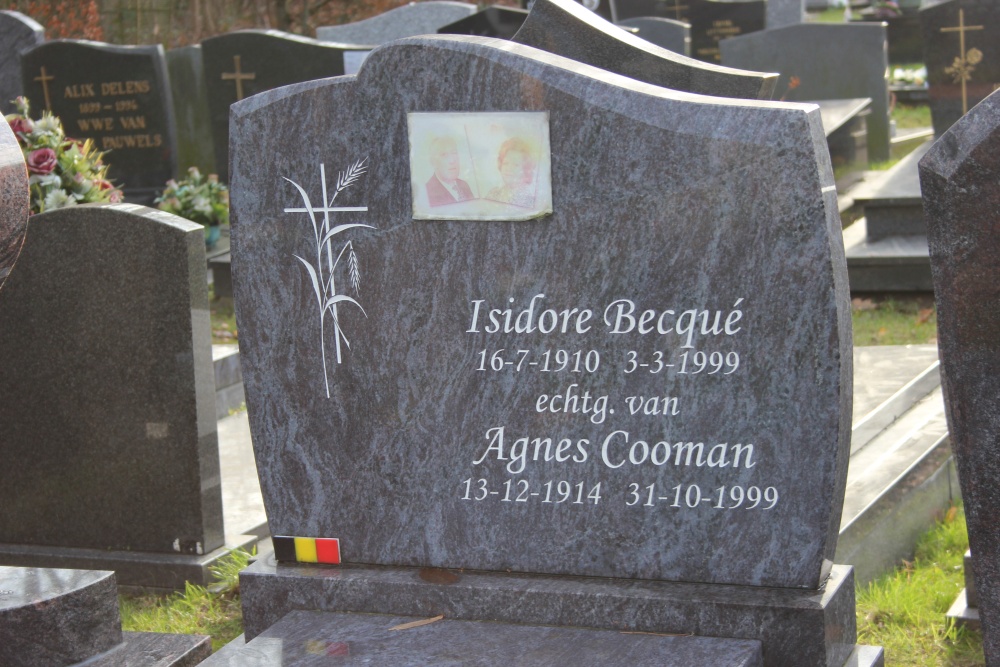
column 239, row 77
column 44, row 79
column 961, row 29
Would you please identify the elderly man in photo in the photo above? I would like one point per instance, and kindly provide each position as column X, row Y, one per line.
column 445, row 187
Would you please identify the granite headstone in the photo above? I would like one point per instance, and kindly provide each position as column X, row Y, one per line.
column 62, row 618
column 194, row 130
column 496, row 21
column 415, row 18
column 959, row 177
column 671, row 35
column 244, row 63
column 845, row 123
column 903, row 32
column 962, row 55
column 107, row 397
column 444, row 379
column 565, row 28
column 119, row 96
column 18, row 33
column 711, row 20
column 14, row 200
column 823, row 62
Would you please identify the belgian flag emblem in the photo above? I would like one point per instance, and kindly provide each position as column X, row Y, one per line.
column 307, row 549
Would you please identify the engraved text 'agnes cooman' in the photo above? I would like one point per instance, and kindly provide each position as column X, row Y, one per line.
column 678, row 333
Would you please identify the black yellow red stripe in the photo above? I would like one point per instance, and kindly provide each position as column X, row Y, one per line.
column 307, row 549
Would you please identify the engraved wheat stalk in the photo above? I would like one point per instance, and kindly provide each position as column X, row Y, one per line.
column 323, row 278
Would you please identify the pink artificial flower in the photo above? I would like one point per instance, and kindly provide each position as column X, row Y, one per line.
column 42, row 161
column 21, row 125
column 116, row 196
column 102, row 184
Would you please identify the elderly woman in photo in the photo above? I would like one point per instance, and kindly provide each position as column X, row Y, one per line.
column 516, row 162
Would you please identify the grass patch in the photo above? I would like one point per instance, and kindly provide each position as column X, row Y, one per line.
column 831, row 15
column 894, row 320
column 909, row 116
column 213, row 611
column 904, row 611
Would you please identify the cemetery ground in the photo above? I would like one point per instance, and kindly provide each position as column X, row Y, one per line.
column 904, row 611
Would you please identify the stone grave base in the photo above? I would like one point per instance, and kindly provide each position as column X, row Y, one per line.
column 70, row 617
column 136, row 569
column 301, row 638
column 965, row 609
column 796, row 627
column 893, row 264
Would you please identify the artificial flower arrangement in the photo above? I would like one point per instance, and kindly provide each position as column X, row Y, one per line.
column 61, row 171
column 201, row 199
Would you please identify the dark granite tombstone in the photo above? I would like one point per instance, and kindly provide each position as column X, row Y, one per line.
column 959, row 181
column 14, row 200
column 519, row 419
column 247, row 62
column 496, row 21
column 107, row 398
column 60, row 618
column 565, row 28
column 962, row 55
column 711, row 20
column 823, row 62
column 415, row 18
column 119, row 96
column 18, row 33
column 903, row 32
column 195, row 147
column 671, row 35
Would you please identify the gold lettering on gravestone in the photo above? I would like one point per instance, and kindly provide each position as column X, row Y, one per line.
column 135, row 121
column 965, row 62
column 239, row 77
column 44, row 79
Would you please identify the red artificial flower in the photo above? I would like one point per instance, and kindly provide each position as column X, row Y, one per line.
column 42, row 161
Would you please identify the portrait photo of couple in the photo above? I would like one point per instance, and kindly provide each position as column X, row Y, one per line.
column 480, row 166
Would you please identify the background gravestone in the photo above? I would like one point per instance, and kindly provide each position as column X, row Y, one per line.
column 18, row 33
column 107, row 397
column 421, row 446
column 565, row 28
column 671, row 35
column 958, row 177
column 14, row 200
column 119, row 96
column 244, row 63
column 194, row 130
column 962, row 55
column 416, row 18
column 785, row 12
column 828, row 62
column 499, row 22
column 711, row 20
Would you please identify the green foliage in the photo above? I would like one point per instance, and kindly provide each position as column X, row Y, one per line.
column 62, row 171
column 198, row 198
column 213, row 611
column 894, row 320
column 908, row 116
column 904, row 611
